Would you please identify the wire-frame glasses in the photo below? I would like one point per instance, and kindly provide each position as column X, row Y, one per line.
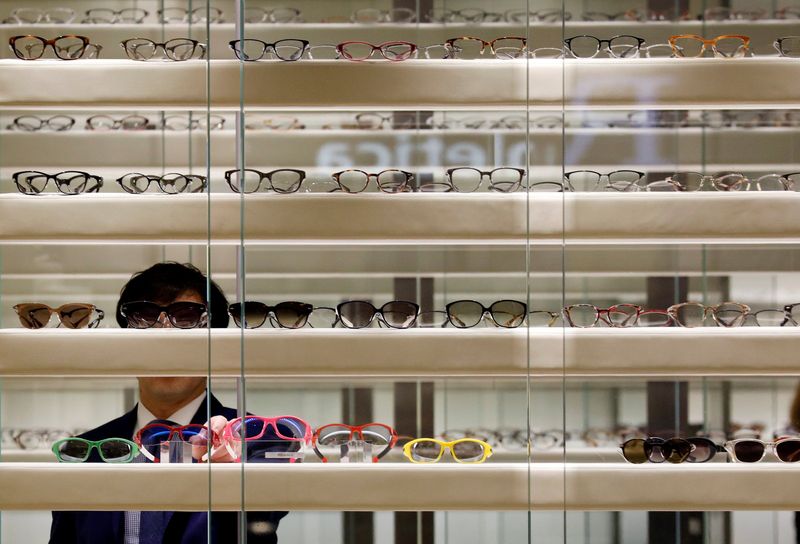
column 589, row 180
column 508, row 314
column 725, row 46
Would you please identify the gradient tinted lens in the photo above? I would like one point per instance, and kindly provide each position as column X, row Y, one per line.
column 292, row 315
column 141, row 315
column 468, row 451
column 353, row 181
column 255, row 314
column 186, row 315
column 426, row 451
column 508, row 313
column 465, row 313
column 75, row 316
column 399, row 314
column 356, row 314
column 73, row 450
column 676, row 450
column 704, row 450
column 633, row 451
column 180, row 48
column 33, row 316
column 748, row 451
column 115, row 451
column 788, row 451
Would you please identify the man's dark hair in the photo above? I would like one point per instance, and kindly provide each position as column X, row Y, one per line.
column 164, row 282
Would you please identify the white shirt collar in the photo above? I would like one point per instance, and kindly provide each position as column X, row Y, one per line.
column 181, row 417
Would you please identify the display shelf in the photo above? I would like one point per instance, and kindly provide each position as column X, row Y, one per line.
column 708, row 351
column 649, row 149
column 416, row 219
column 494, row 486
column 575, row 84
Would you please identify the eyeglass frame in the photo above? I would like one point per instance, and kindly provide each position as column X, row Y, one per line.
column 269, row 313
column 52, row 43
column 267, row 47
column 264, row 176
column 673, row 311
column 353, row 430
column 203, row 182
column 195, row 45
column 778, row 45
column 93, row 324
column 412, row 53
column 402, row 187
column 713, row 42
column 730, row 447
column 117, row 124
column 90, row 177
column 447, row 446
column 608, row 49
column 95, row 444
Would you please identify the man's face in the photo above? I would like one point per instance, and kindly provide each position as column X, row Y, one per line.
column 171, row 388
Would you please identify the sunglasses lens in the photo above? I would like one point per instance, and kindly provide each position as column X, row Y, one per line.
column 426, row 451
column 356, row 314
column 469, row 451
column 73, row 451
column 75, row 316
column 377, row 435
column 676, row 450
column 196, row 435
column 633, row 451
column 250, row 428
column 508, row 313
column 255, row 313
column 116, row 451
column 33, row 316
column 187, row 315
column 334, row 435
column 291, row 428
column 292, row 315
column 748, row 451
column 464, row 313
column 704, row 450
column 141, row 315
column 788, row 451
column 399, row 314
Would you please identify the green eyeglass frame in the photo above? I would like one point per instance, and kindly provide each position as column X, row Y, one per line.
column 84, row 448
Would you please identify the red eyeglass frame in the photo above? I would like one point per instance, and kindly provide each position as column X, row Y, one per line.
column 173, row 430
column 356, row 429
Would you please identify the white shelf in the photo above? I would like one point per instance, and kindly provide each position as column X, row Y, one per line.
column 410, row 85
column 668, row 352
column 414, row 219
column 491, row 486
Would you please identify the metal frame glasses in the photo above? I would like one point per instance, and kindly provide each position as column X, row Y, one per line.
column 32, row 16
column 777, row 318
column 249, row 180
column 589, row 180
column 380, row 435
column 76, row 315
column 251, row 50
column 695, row 181
column 69, row 182
column 724, row 46
column 176, row 49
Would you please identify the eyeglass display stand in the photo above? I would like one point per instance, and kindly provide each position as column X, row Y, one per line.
column 176, row 451
column 356, row 451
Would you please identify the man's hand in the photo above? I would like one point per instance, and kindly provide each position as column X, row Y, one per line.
column 222, row 452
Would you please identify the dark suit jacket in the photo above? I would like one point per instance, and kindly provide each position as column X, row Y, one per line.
column 183, row 527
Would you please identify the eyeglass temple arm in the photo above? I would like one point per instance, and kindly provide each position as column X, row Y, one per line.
column 100, row 315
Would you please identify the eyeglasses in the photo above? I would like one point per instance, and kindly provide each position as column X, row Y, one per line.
column 727, row 45
column 395, row 15
column 176, row 49
column 751, row 450
column 674, row 450
column 106, row 122
column 623, row 46
column 788, row 46
column 32, row 123
column 248, row 180
column 359, row 314
column 110, row 16
column 722, row 13
column 389, row 181
column 472, row 47
column 171, row 183
column 466, row 15
column 150, row 437
column 693, row 314
column 588, row 315
column 542, row 15
column 252, row 50
column 35, row 15
column 430, row 450
column 142, row 314
column 274, row 123
column 111, row 450
column 189, row 122
column 200, row 14
column 379, row 436
column 507, row 314
column 589, row 180
column 67, row 47
column 288, row 429
column 777, row 318
column 695, row 181
column 542, row 318
column 70, row 182
column 655, row 318
column 288, row 315
column 627, row 15
column 394, row 51
column 34, row 315
column 277, row 15
column 468, row 180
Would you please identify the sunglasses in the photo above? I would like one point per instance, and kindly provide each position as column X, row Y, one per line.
column 430, row 450
column 34, row 315
column 288, row 315
column 379, row 436
column 150, row 437
column 674, row 450
column 281, row 436
column 142, row 314
column 111, row 450
column 508, row 314
column 751, row 450
column 359, row 314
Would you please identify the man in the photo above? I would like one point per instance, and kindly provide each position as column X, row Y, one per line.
column 149, row 300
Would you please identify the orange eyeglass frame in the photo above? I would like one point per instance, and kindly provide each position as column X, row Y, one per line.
column 706, row 43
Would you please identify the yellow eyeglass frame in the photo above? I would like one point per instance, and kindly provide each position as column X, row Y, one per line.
column 487, row 449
